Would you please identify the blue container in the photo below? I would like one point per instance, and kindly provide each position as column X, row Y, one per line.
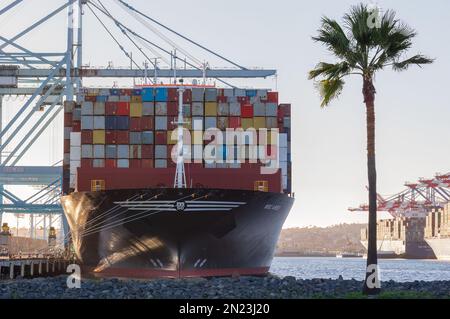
column 110, row 122
column 137, row 92
column 111, row 151
column 161, row 94
column 123, row 122
column 147, row 137
column 135, row 138
column 101, row 98
column 147, row 95
column 114, row 92
column 250, row 93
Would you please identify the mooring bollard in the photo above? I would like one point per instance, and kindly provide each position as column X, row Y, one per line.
column 11, row 271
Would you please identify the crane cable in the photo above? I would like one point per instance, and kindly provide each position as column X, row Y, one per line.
column 160, row 34
column 114, row 38
column 138, row 36
column 129, row 38
column 129, row 7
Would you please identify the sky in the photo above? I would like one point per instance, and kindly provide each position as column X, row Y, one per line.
column 328, row 145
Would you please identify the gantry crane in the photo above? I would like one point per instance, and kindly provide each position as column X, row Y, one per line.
column 50, row 79
column 417, row 199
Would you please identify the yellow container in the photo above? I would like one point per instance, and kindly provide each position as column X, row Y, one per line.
column 186, row 137
column 99, row 137
column 211, row 109
column 247, row 123
column 135, row 109
column 136, row 98
column 259, row 122
column 171, row 141
column 197, row 137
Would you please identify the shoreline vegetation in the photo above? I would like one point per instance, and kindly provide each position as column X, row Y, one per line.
column 268, row 287
column 320, row 241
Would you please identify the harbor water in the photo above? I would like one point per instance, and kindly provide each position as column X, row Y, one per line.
column 400, row 270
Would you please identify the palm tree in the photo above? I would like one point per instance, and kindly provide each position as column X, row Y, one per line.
column 366, row 42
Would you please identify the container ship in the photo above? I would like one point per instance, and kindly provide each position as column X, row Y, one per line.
column 151, row 189
column 437, row 232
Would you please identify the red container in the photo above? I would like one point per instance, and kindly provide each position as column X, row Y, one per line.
column 135, row 163
column 234, row 122
column 111, row 108
column 111, row 163
column 135, row 124
column 66, row 146
column 222, row 99
column 67, row 119
column 272, row 97
column 171, row 163
column 194, row 165
column 123, row 137
column 147, row 152
column 111, row 137
column 172, row 108
column 132, row 178
column 247, row 110
column 147, row 123
column 187, row 96
column 161, row 137
column 76, row 126
column 123, row 108
column 86, row 163
column 243, row 99
column 170, row 124
column 90, row 98
column 126, row 92
column 172, row 95
column 86, row 137
column 284, row 110
column 147, row 163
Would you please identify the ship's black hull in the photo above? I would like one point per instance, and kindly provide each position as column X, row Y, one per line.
column 175, row 232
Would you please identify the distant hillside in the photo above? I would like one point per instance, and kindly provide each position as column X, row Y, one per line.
column 329, row 240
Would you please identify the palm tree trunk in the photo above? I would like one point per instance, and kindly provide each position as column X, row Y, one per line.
column 371, row 283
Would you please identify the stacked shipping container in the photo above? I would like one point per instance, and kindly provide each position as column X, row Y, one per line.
column 438, row 223
column 132, row 128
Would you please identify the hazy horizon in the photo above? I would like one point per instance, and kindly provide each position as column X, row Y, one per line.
column 329, row 157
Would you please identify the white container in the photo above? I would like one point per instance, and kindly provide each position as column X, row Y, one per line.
column 75, row 153
column 197, row 123
column 75, row 138
column 283, row 140
column 99, row 122
column 73, row 167
column 73, row 181
column 284, row 181
column 283, row 151
column 284, row 167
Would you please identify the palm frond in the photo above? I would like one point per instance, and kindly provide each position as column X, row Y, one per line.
column 329, row 89
column 329, row 70
column 415, row 60
column 333, row 36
